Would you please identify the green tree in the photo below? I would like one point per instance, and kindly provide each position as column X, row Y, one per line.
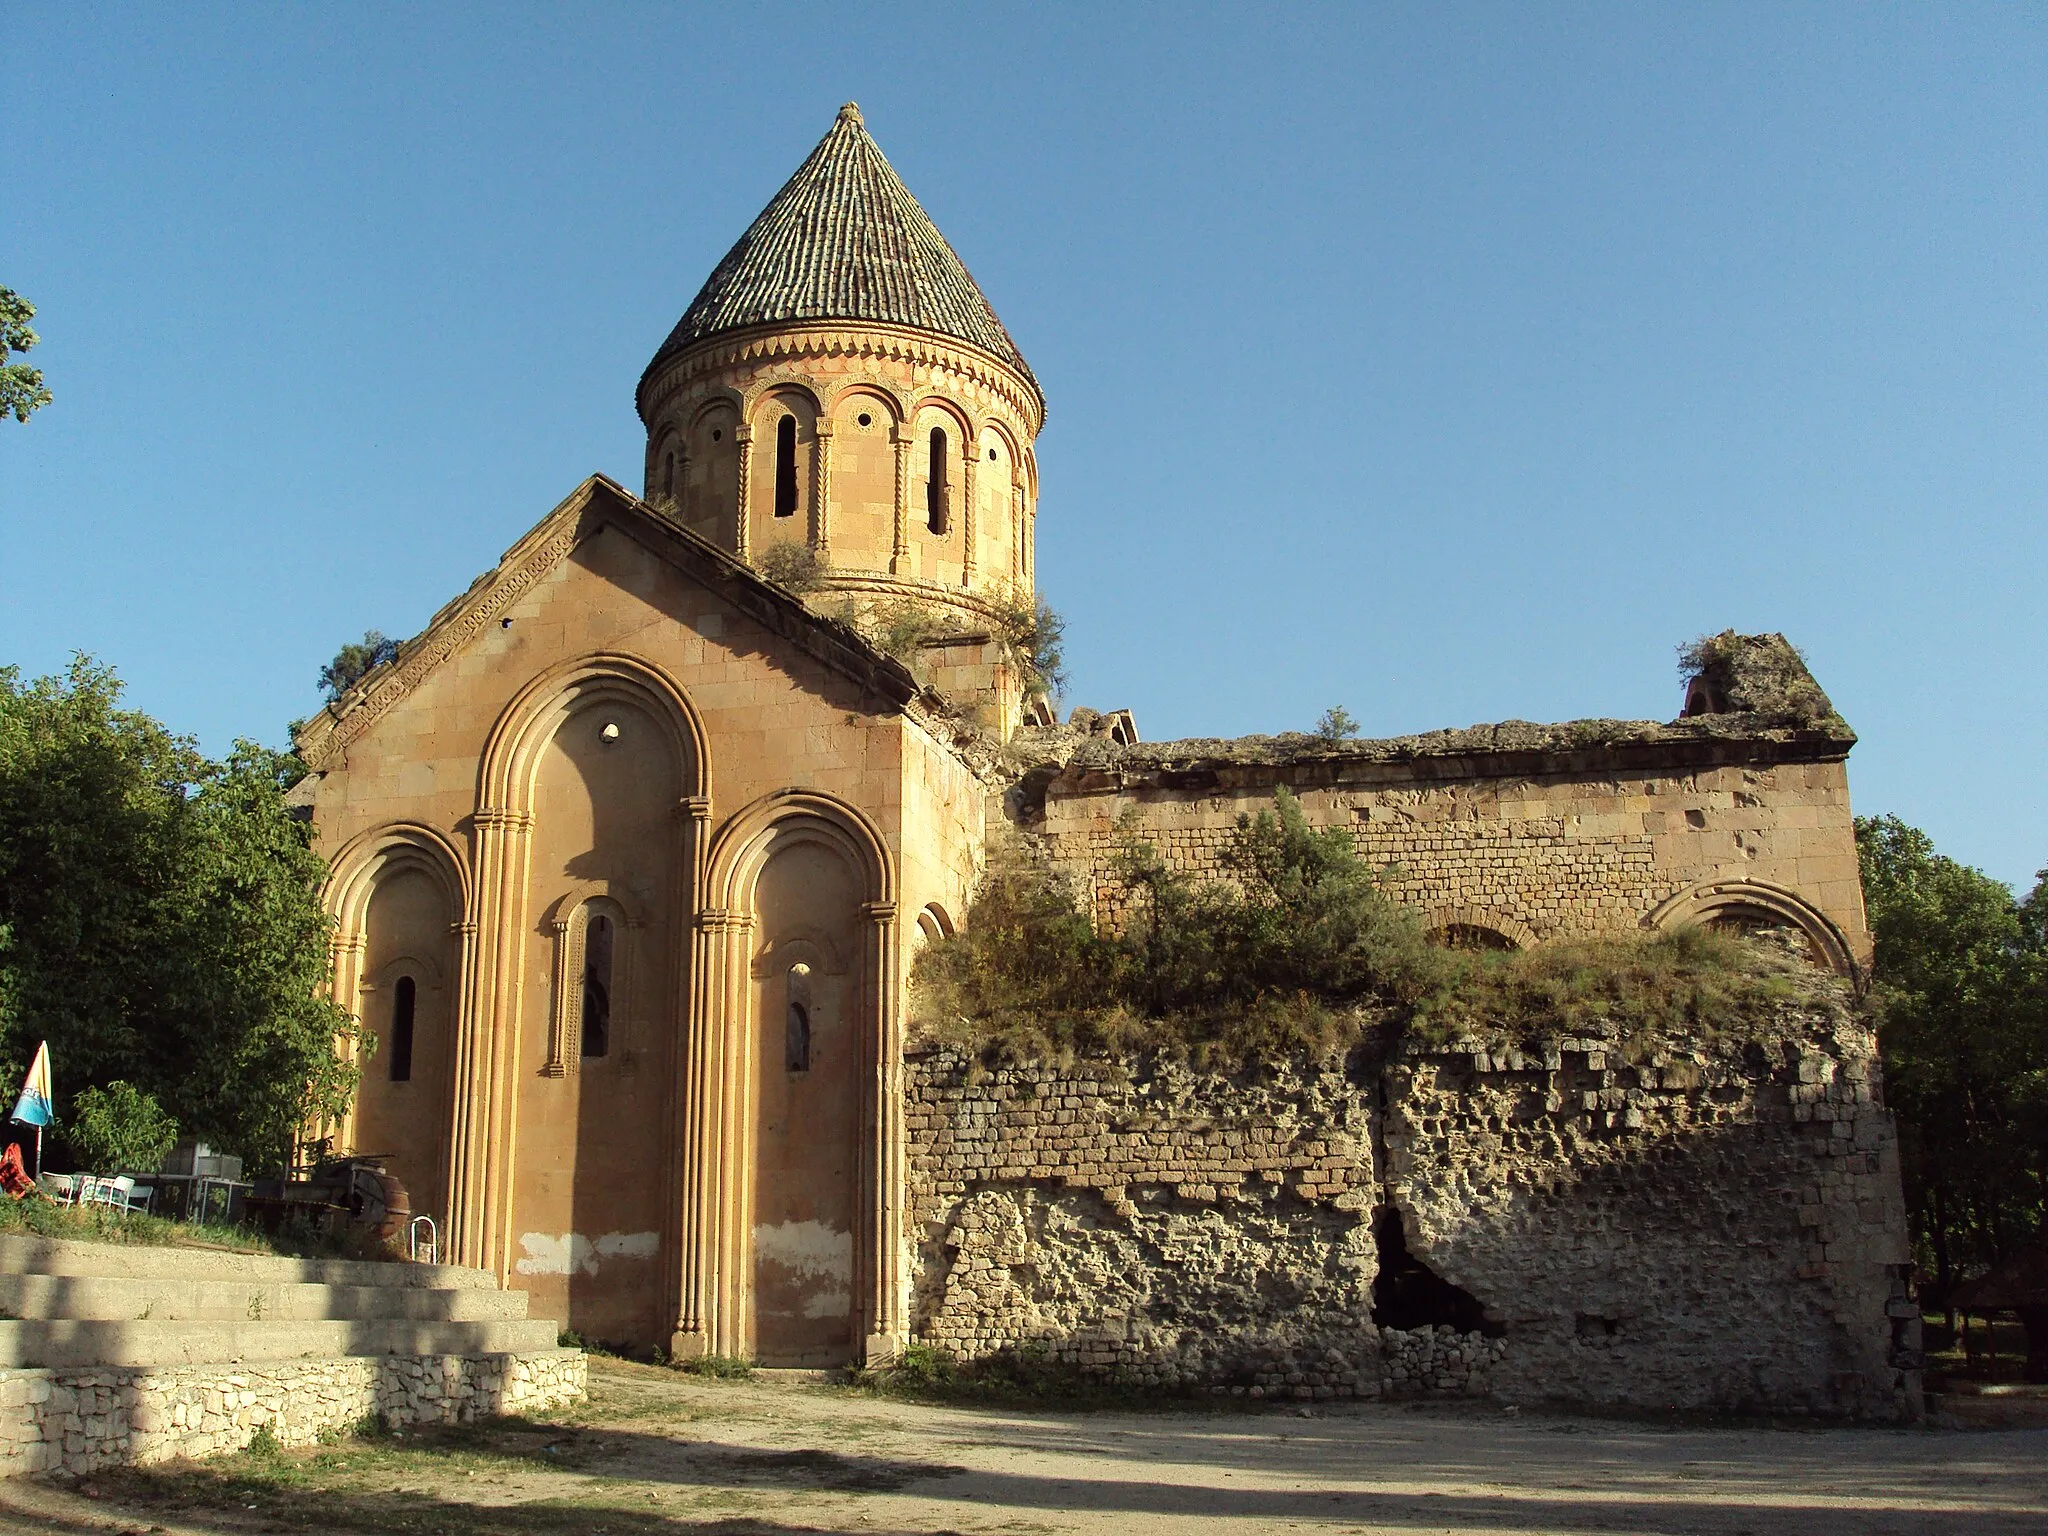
column 119, row 1129
column 160, row 921
column 21, row 387
column 1336, row 725
column 353, row 662
column 1959, row 971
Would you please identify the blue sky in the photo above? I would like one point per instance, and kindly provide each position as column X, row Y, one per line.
column 1448, row 363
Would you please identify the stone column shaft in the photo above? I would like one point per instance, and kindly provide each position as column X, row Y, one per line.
column 970, row 469
column 899, row 556
column 743, row 440
column 882, row 1155
column 821, row 498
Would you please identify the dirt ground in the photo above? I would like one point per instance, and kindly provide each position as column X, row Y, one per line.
column 654, row 1452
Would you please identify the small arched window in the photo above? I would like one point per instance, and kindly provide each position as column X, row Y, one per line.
column 597, row 985
column 785, row 467
column 796, row 1027
column 935, row 484
column 404, row 1002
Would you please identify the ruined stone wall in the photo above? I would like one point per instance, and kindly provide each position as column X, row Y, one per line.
column 1712, row 1224
column 1720, row 1227
column 1185, row 1229
column 1533, row 855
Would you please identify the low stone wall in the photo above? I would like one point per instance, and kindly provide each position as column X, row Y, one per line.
column 78, row 1420
column 1700, row 1225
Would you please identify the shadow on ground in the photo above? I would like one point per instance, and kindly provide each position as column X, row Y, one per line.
column 619, row 1482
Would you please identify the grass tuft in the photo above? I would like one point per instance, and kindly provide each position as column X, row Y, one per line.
column 41, row 1217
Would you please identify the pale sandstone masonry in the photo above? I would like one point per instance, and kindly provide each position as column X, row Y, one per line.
column 1719, row 1227
column 82, row 1419
column 1534, row 832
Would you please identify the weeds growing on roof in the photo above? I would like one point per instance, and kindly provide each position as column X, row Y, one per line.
column 1296, row 949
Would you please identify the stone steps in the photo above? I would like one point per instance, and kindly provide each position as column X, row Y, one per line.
column 53, row 1343
column 96, row 1298
column 112, row 1354
column 25, row 1255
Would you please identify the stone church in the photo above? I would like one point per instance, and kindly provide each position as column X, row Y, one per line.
column 633, row 846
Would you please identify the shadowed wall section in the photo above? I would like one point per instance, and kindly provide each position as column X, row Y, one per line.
column 589, row 1205
column 807, row 1076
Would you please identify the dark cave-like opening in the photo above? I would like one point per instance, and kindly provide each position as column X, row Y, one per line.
column 1409, row 1294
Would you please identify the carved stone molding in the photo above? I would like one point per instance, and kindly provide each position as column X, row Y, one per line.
column 787, row 341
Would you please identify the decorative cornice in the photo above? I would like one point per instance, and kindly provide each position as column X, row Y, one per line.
column 876, row 584
column 323, row 740
column 785, row 341
column 1102, row 769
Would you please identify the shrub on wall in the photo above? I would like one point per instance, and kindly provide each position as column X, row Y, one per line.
column 1297, row 948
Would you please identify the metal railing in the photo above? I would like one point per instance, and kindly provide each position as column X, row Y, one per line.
column 431, row 1247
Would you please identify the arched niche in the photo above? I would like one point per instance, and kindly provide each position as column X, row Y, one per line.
column 1466, row 927
column 1755, row 904
column 799, row 1151
column 708, row 501
column 866, row 441
column 399, row 898
column 782, row 465
column 526, row 725
column 592, row 795
column 941, row 442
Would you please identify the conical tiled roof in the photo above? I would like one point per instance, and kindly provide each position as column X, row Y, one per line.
column 844, row 240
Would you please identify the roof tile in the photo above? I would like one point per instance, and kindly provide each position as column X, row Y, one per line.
column 844, row 240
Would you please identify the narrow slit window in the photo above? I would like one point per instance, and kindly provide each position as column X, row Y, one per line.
column 785, row 467
column 668, row 477
column 796, row 1029
column 935, row 484
column 404, row 1001
column 597, row 985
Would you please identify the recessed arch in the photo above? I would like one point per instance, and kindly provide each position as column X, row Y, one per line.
column 934, row 923
column 799, row 914
column 355, row 868
column 511, row 756
column 784, row 392
column 720, row 402
column 856, row 395
column 1478, row 921
column 962, row 424
column 744, row 842
column 1011, row 461
column 1755, row 902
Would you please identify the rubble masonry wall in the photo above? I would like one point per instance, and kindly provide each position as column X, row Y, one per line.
column 1713, row 1225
